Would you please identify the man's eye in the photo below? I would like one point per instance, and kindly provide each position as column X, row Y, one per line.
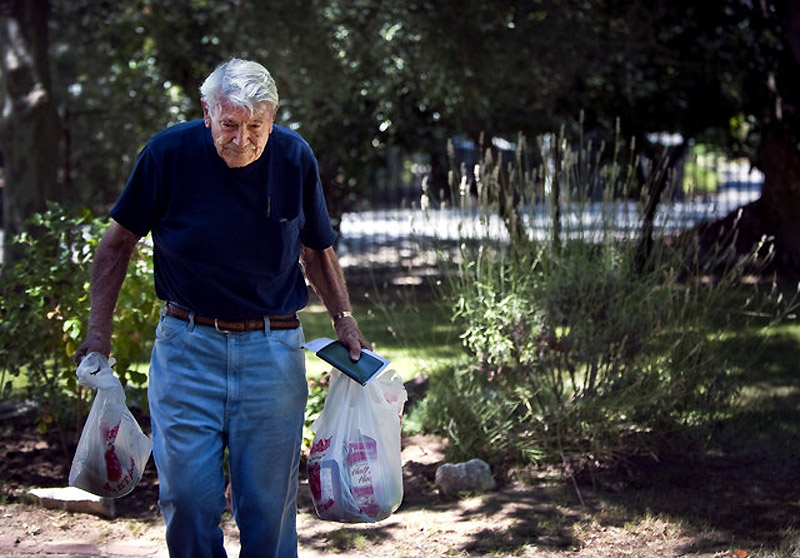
column 228, row 125
column 255, row 126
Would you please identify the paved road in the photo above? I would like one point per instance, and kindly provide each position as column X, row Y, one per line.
column 395, row 232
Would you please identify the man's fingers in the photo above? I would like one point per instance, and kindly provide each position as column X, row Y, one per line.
column 80, row 354
column 355, row 349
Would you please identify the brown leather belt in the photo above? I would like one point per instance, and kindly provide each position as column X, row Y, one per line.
column 285, row 321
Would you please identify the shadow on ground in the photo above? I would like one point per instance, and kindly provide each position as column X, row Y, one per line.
column 742, row 488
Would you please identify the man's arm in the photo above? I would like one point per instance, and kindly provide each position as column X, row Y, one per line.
column 108, row 273
column 325, row 275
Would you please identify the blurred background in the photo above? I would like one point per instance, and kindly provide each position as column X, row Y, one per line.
column 395, row 95
column 572, row 225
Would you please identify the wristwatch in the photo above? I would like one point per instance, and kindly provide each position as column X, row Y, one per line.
column 344, row 314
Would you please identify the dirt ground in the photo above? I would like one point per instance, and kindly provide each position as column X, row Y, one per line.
column 723, row 507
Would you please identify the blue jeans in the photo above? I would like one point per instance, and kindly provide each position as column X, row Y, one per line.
column 245, row 392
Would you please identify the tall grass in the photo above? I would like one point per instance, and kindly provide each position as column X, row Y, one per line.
column 600, row 332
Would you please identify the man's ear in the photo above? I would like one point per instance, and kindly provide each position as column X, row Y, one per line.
column 206, row 114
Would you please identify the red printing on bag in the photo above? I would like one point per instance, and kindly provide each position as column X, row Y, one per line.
column 110, row 434
column 124, row 482
column 113, row 466
column 118, row 479
column 314, row 472
column 321, row 445
column 359, row 455
column 325, row 484
column 313, row 481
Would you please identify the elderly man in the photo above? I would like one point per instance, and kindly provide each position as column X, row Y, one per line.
column 238, row 222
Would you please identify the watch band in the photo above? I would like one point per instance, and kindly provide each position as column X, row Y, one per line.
column 344, row 314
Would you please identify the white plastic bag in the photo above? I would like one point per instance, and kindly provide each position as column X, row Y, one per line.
column 113, row 451
column 355, row 472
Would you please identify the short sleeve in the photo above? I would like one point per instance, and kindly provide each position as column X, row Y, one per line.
column 140, row 202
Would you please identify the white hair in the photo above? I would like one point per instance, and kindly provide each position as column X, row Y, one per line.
column 242, row 82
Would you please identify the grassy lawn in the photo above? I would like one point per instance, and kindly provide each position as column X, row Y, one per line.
column 739, row 493
column 417, row 337
column 766, row 418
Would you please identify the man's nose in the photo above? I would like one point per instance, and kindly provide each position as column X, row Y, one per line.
column 240, row 138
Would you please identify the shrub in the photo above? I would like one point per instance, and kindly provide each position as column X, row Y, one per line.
column 700, row 176
column 44, row 305
column 575, row 347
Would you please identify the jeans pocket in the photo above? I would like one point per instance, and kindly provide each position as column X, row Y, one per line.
column 169, row 328
column 292, row 339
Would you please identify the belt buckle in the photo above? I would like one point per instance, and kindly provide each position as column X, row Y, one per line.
column 216, row 326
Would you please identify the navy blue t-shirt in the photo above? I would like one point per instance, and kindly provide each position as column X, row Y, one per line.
column 227, row 240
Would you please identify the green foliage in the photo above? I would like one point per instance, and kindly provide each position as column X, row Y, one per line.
column 45, row 305
column 700, row 175
column 574, row 347
column 360, row 78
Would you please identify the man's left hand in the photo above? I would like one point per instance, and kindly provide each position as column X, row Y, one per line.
column 350, row 336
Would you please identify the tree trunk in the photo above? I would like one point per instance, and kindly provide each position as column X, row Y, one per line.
column 775, row 215
column 779, row 159
column 30, row 127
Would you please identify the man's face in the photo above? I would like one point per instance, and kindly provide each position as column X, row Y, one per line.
column 239, row 136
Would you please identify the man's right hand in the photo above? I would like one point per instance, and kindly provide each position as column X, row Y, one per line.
column 95, row 341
